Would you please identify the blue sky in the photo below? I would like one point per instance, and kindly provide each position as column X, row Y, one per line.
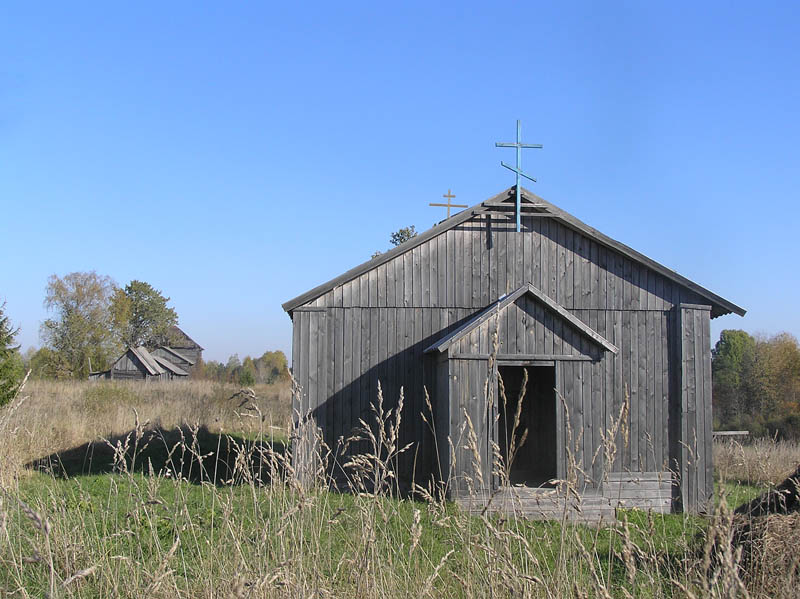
column 235, row 156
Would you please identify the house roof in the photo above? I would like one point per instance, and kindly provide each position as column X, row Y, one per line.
column 182, row 340
column 166, row 364
column 178, row 355
column 499, row 305
column 533, row 204
column 147, row 360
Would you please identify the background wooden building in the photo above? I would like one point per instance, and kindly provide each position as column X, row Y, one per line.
column 187, row 347
column 139, row 364
column 472, row 301
column 175, row 357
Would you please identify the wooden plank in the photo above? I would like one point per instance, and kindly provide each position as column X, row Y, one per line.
column 536, row 253
column 707, row 408
column 659, row 423
column 643, row 384
column 441, row 271
column 650, row 329
column 544, row 231
column 569, row 268
column 327, row 395
column 466, row 274
column 417, row 275
column 380, row 277
column 594, row 280
column 313, row 364
column 527, row 252
column 366, row 392
column 597, row 407
column 477, row 280
column 627, row 380
column 552, row 248
column 503, row 283
column 561, row 265
column 408, row 280
column 683, row 413
column 699, row 461
column 451, row 268
column 415, row 397
column 644, row 275
column 558, row 334
column 627, row 285
column 565, row 373
column 578, row 264
column 580, row 411
column 486, row 258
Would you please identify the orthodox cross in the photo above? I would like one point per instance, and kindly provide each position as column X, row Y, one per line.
column 449, row 195
column 518, row 170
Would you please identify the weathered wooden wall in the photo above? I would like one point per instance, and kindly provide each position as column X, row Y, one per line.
column 692, row 406
column 376, row 327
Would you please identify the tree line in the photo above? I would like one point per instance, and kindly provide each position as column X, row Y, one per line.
column 92, row 320
column 756, row 384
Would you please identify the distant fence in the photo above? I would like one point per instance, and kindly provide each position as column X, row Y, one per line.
column 730, row 434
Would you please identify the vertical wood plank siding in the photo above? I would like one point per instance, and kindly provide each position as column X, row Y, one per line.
column 376, row 327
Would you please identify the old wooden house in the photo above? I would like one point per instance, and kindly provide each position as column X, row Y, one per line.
column 467, row 309
column 187, row 347
column 139, row 364
column 175, row 357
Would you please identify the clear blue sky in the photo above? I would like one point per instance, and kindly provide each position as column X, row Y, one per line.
column 235, row 156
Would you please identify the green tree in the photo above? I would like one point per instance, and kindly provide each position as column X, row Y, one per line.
column 403, row 235
column 247, row 372
column 733, row 360
column 141, row 315
column 11, row 368
column 80, row 331
column 271, row 367
column 400, row 236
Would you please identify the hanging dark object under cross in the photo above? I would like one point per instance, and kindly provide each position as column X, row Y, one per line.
column 449, row 195
column 518, row 170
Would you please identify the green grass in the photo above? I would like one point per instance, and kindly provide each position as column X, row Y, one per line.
column 132, row 521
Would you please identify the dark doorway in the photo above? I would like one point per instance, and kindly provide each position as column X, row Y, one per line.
column 534, row 460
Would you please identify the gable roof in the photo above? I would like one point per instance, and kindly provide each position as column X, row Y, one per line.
column 147, row 360
column 496, row 307
column 503, row 203
column 166, row 364
column 181, row 339
column 177, row 354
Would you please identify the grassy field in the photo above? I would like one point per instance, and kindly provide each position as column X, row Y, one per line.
column 186, row 493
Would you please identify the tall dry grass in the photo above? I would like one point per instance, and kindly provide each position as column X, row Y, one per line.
column 160, row 534
column 53, row 416
column 758, row 462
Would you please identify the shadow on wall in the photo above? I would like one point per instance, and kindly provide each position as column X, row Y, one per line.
column 195, row 454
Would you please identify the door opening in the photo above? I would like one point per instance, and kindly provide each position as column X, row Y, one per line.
column 527, row 426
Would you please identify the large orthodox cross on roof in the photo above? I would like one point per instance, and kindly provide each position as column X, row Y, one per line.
column 518, row 169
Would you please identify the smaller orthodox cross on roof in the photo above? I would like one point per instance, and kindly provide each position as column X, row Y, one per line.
column 518, row 170
column 449, row 195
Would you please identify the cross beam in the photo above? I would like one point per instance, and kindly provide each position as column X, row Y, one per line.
column 449, row 195
column 518, row 169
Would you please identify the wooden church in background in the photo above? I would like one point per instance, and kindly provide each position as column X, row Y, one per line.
column 472, row 305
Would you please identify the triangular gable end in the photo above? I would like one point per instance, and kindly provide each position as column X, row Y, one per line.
column 541, row 327
column 503, row 203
